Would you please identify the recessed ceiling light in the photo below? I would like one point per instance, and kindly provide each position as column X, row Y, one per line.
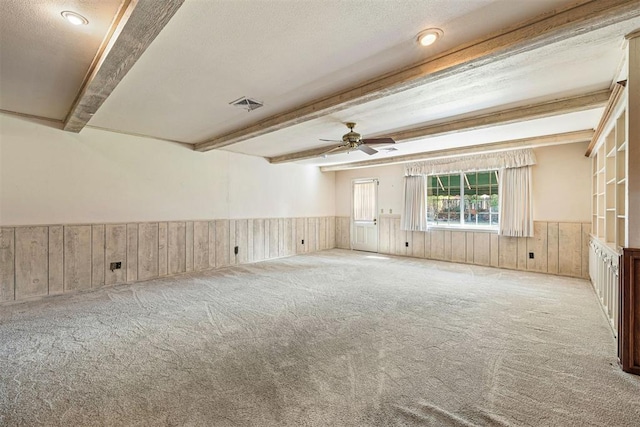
column 429, row 36
column 74, row 18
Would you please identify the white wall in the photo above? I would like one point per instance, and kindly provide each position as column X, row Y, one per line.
column 561, row 185
column 48, row 176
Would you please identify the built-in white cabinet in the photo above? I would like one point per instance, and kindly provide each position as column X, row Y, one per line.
column 610, row 163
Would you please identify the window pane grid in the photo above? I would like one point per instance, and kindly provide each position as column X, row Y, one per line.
column 469, row 199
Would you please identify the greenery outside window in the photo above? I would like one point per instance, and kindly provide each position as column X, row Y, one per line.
column 468, row 199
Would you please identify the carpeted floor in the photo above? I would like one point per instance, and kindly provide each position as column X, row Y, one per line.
column 336, row 338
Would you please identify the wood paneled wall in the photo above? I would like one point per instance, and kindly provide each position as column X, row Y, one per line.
column 559, row 247
column 36, row 261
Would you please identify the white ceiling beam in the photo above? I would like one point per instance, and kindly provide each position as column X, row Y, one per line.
column 465, row 124
column 135, row 26
column 539, row 141
column 548, row 29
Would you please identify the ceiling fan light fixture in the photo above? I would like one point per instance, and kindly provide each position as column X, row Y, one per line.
column 74, row 18
column 429, row 36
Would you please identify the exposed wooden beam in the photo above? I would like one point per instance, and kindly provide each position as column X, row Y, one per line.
column 504, row 117
column 508, row 116
column 539, row 141
column 618, row 88
column 548, row 29
column 136, row 25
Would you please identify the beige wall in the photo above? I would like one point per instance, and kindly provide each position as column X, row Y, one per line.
column 561, row 185
column 48, row 176
column 389, row 190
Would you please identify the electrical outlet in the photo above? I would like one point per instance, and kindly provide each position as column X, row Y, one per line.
column 115, row 266
column 406, row 244
column 530, row 255
column 235, row 250
column 303, row 241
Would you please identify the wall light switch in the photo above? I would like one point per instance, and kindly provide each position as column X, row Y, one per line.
column 390, row 211
column 381, row 211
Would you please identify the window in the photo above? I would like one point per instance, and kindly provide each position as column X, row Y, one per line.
column 463, row 199
column 364, row 200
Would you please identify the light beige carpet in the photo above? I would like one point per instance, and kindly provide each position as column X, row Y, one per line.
column 336, row 338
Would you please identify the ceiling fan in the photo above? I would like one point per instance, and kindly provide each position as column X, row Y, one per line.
column 354, row 141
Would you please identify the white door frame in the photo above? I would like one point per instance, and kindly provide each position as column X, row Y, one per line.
column 375, row 219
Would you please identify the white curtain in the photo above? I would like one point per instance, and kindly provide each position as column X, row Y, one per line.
column 364, row 201
column 516, row 210
column 414, row 217
column 473, row 163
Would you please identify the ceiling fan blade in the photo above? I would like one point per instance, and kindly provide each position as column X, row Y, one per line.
column 374, row 141
column 367, row 149
column 329, row 140
column 335, row 149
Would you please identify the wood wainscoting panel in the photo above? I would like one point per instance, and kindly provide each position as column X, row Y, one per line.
column 427, row 244
column 163, row 266
column 201, row 245
column 586, row 237
column 189, row 246
column 7, row 264
column 132, row 252
column 522, row 253
column 77, row 257
column 538, row 245
column 258, row 240
column 32, row 262
column 346, row 235
column 494, row 258
column 301, row 226
column 242, row 241
column 36, row 261
column 222, row 243
column 332, row 232
column 274, row 238
column 437, row 244
column 322, row 234
column 447, row 245
column 470, row 247
column 177, row 247
column 56, row 260
column 281, row 243
column 147, row 250
column 97, row 256
column 417, row 244
column 250, row 240
column 115, row 251
column 384, row 236
column 458, row 246
column 267, row 226
column 552, row 247
column 570, row 249
column 508, row 253
column 482, row 248
column 212, row 243
column 289, row 237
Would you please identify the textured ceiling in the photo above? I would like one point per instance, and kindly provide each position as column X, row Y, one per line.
column 43, row 58
column 284, row 53
column 289, row 52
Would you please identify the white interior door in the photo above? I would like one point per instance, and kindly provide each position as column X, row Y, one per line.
column 364, row 220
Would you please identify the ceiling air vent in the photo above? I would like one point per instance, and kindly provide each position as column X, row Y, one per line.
column 246, row 103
